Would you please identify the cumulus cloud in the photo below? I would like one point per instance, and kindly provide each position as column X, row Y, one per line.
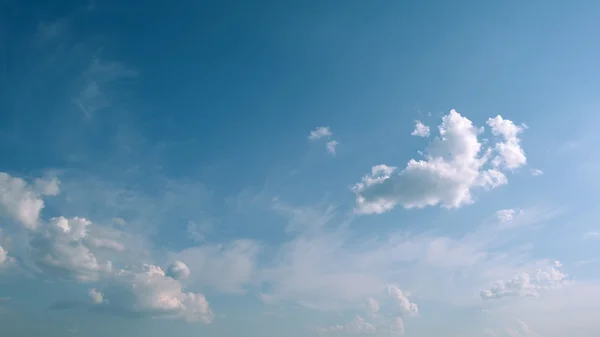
column 454, row 165
column 331, row 145
column 510, row 155
column 22, row 201
column 372, row 306
column 149, row 291
column 398, row 325
column 96, row 296
column 60, row 249
column 178, row 270
column 324, row 132
column 421, row 130
column 320, row 132
column 105, row 243
column 526, row 285
column 3, row 256
column 406, row 306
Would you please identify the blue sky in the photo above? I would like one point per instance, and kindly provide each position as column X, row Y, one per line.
column 299, row 168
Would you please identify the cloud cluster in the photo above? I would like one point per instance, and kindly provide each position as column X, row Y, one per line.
column 148, row 291
column 455, row 163
column 324, row 132
column 75, row 249
column 59, row 248
column 389, row 323
column 526, row 285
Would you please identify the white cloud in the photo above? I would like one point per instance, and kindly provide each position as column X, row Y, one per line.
column 421, row 130
column 47, row 187
column 406, row 306
column 454, row 165
column 331, row 145
column 105, row 243
column 507, row 215
column 178, row 270
column 3, row 256
column 59, row 248
column 592, row 235
column 372, row 306
column 358, row 326
column 320, row 132
column 226, row 268
column 536, row 172
column 510, row 154
column 148, row 291
column 21, row 201
column 398, row 325
column 525, row 285
column 96, row 296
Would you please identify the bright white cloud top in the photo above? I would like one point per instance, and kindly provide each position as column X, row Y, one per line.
column 456, row 163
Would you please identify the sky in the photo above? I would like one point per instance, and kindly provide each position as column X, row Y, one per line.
column 299, row 168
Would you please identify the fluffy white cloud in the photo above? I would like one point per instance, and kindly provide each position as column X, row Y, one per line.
column 96, row 296
column 510, row 154
column 59, row 248
column 421, row 130
column 22, row 201
column 398, row 325
column 178, row 270
column 454, row 165
column 149, row 291
column 320, row 132
column 372, row 306
column 406, row 306
column 3, row 256
column 331, row 145
column 524, row 284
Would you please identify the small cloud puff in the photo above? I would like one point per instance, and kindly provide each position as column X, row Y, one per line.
column 537, row 172
column 320, row 132
column 421, row 130
column 324, row 132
